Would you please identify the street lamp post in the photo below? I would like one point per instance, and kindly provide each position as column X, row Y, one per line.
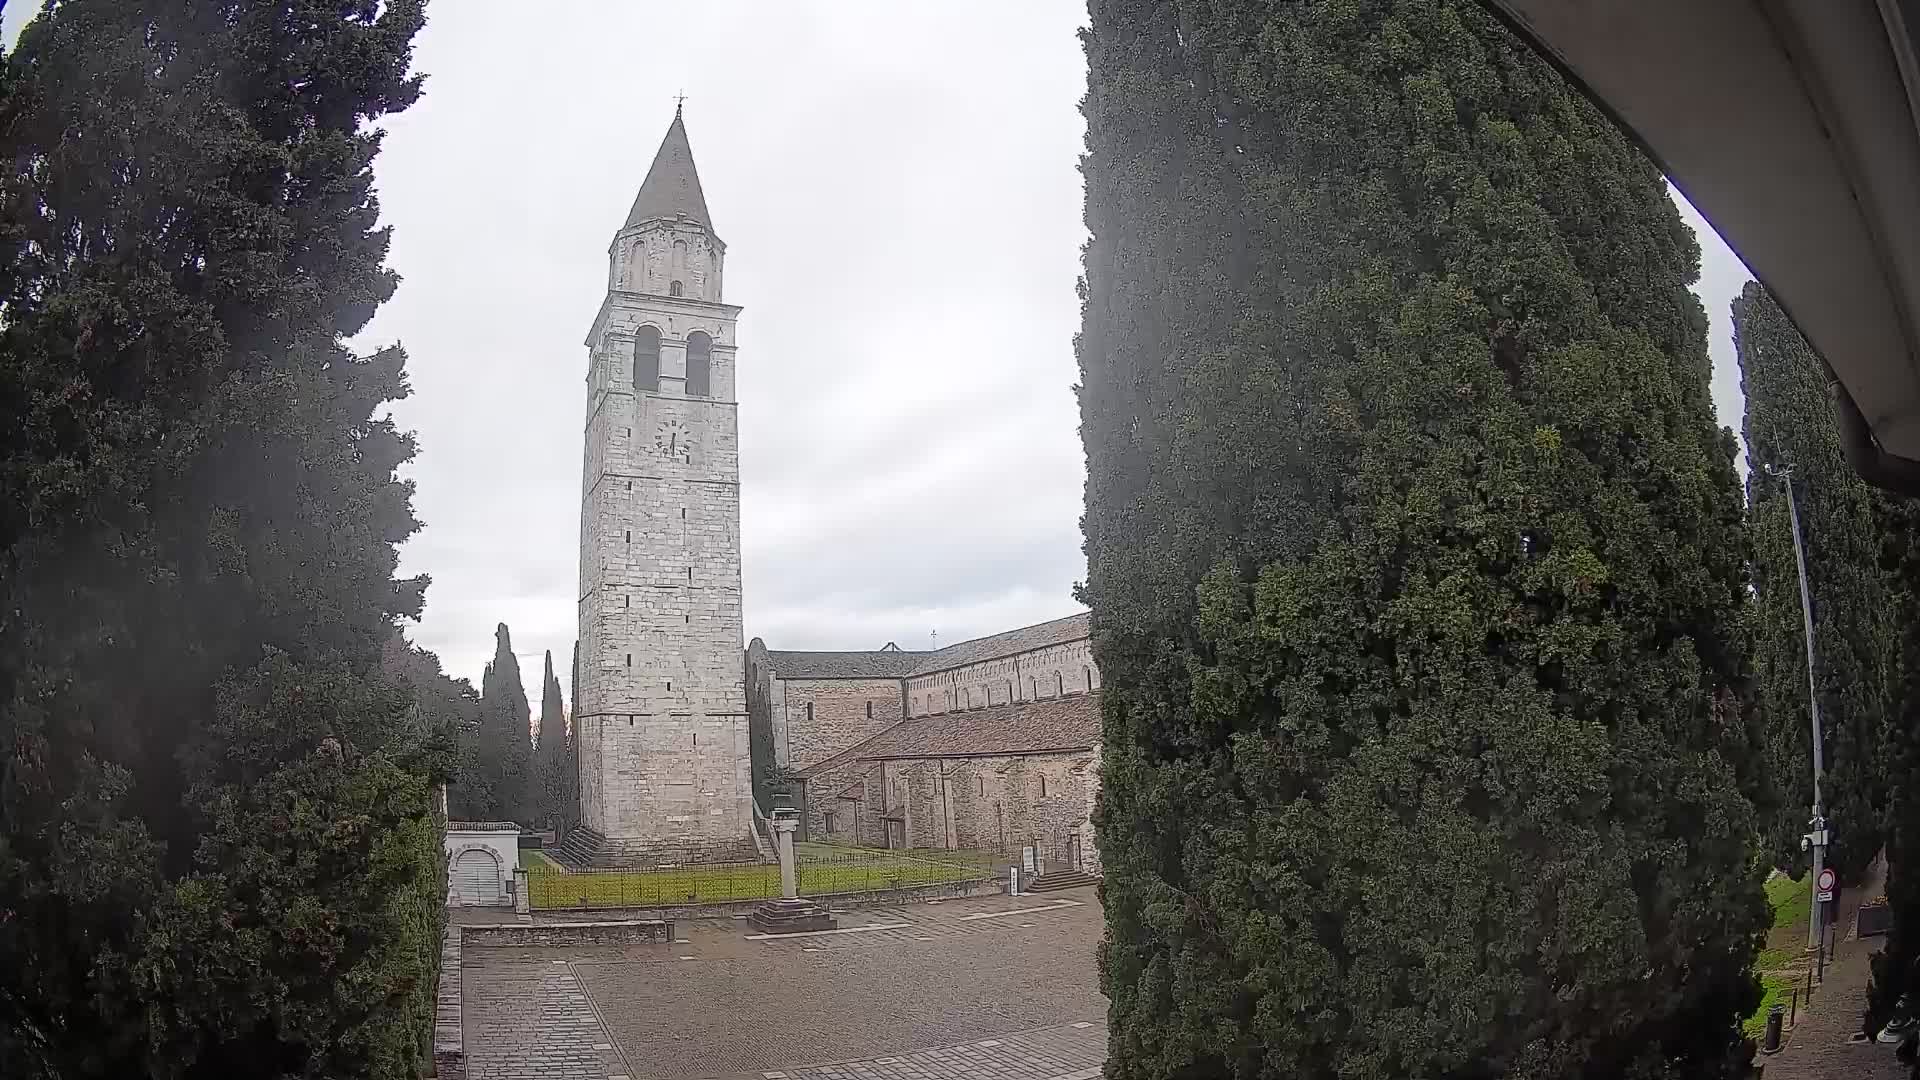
column 1816, row 840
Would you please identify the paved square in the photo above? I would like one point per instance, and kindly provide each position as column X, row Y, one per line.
column 1001, row 988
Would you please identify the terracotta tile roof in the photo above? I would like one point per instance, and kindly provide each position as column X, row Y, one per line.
column 897, row 663
column 1024, row 727
column 873, row 664
column 1025, row 639
column 482, row 826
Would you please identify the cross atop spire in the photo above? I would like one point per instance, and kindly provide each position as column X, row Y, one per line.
column 679, row 99
column 672, row 186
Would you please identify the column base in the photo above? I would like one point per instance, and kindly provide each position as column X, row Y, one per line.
column 792, row 915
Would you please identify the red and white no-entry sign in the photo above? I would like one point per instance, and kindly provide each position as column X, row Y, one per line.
column 1823, row 885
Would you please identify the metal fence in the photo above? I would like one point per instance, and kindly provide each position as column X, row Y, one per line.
column 851, row 870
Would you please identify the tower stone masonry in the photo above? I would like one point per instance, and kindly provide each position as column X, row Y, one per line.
column 662, row 721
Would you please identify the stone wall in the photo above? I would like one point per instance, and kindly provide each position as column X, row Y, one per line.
column 819, row 718
column 989, row 803
column 854, row 819
column 651, row 256
column 615, row 932
column 449, row 1036
column 1035, row 675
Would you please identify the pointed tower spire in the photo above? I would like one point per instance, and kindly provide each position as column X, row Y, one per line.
column 672, row 186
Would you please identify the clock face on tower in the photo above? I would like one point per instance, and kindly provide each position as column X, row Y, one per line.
column 672, row 440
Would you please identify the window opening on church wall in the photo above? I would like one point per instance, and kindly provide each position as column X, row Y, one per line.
column 646, row 360
column 699, row 365
column 676, row 289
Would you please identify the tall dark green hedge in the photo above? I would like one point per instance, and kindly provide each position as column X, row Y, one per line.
column 1415, row 558
column 1896, row 968
column 1790, row 424
column 219, row 854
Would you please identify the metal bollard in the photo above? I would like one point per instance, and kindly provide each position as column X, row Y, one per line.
column 1793, row 1006
column 1776, row 1016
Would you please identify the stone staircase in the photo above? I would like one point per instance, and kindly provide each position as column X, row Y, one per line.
column 1055, row 880
column 585, row 849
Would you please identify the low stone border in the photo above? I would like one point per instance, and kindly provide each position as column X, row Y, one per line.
column 449, row 1040
column 596, row 932
column 726, row 909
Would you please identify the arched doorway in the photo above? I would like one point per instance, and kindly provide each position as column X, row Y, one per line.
column 476, row 878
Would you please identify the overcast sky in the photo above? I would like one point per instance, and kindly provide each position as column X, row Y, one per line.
column 897, row 186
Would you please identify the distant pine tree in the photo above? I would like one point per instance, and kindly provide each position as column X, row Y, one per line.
column 219, row 848
column 1416, row 563
column 505, row 755
column 550, row 752
column 570, row 777
column 1790, row 423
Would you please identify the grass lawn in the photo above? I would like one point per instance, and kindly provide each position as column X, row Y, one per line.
column 843, row 870
column 1773, row 991
column 538, row 862
column 1790, row 900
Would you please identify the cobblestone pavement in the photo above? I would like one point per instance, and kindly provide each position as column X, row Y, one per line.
column 985, row 987
column 538, row 1022
column 1067, row 1052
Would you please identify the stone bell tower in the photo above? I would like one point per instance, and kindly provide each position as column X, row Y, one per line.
column 662, row 724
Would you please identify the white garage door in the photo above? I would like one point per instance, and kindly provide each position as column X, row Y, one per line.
column 476, row 878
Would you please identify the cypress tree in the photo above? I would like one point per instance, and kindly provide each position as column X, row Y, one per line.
column 570, row 775
column 218, row 850
column 550, row 750
column 1415, row 559
column 1790, row 424
column 505, row 752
